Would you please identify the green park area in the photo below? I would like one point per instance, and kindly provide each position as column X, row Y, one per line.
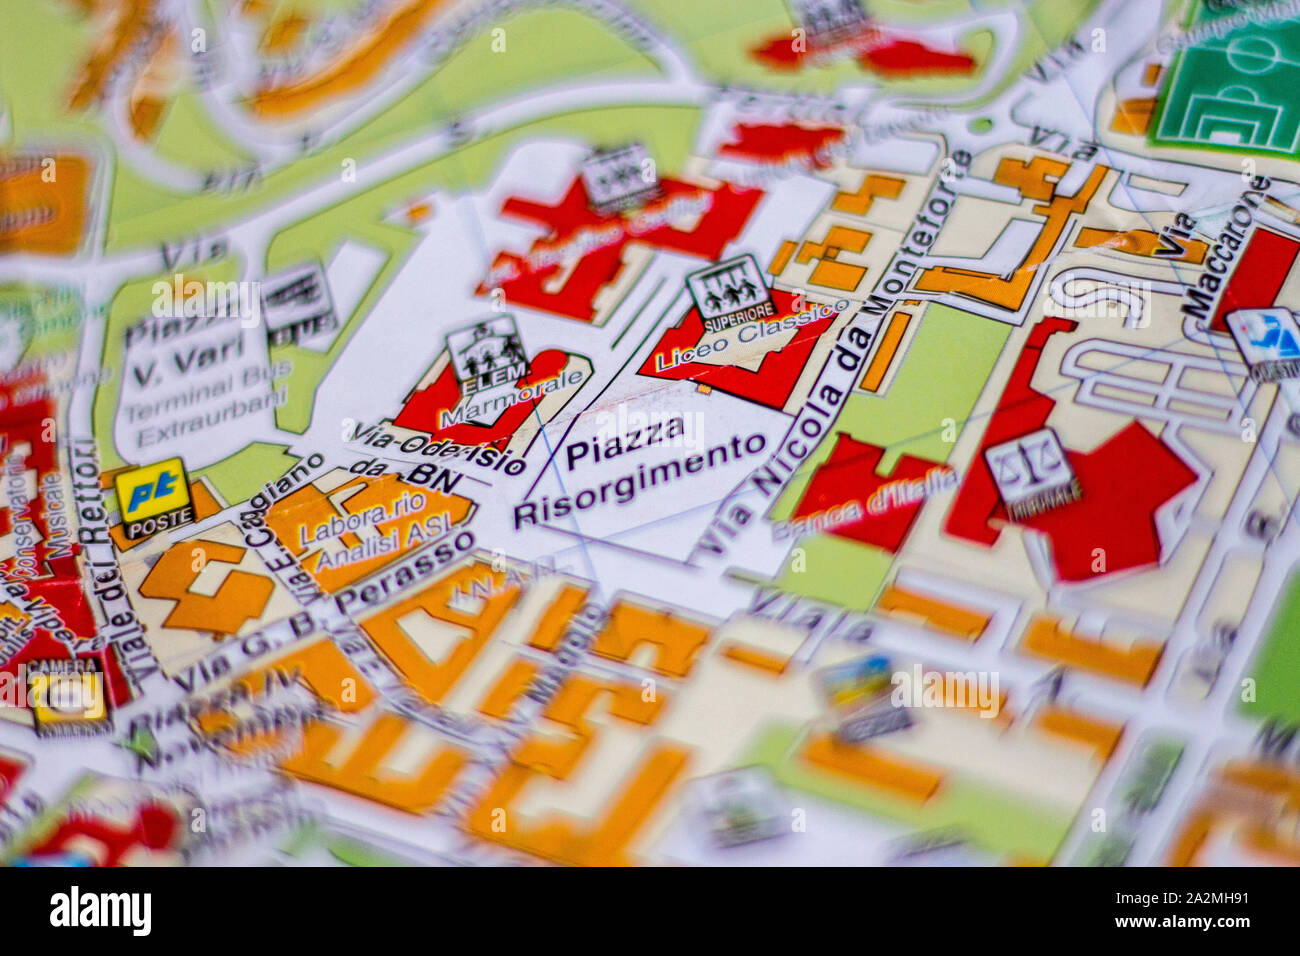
column 1276, row 667
column 928, row 403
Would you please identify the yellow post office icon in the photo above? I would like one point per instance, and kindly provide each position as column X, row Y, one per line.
column 153, row 497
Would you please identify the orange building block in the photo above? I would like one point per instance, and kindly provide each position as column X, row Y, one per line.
column 843, row 276
column 676, row 641
column 867, row 765
column 131, row 19
column 1044, row 637
column 564, row 841
column 1282, row 210
column 510, row 686
column 1268, row 778
column 939, row 615
column 433, row 680
column 1034, row 178
column 550, row 629
column 327, row 672
column 352, row 70
column 1269, row 842
column 1191, row 837
column 298, row 515
column 1010, row 294
column 242, row 596
column 151, row 94
column 842, row 237
column 419, row 212
column 559, row 838
column 873, row 187
column 361, row 772
column 755, row 657
column 1138, row 242
column 1134, row 115
column 39, row 215
column 1258, row 798
column 284, row 33
column 828, row 272
column 1103, row 737
column 146, row 116
column 885, row 352
column 782, row 257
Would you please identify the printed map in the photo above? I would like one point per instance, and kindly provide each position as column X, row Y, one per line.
column 641, row 432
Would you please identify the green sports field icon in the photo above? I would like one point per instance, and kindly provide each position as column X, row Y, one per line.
column 1235, row 92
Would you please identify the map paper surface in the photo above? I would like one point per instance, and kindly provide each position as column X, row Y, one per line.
column 639, row 432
